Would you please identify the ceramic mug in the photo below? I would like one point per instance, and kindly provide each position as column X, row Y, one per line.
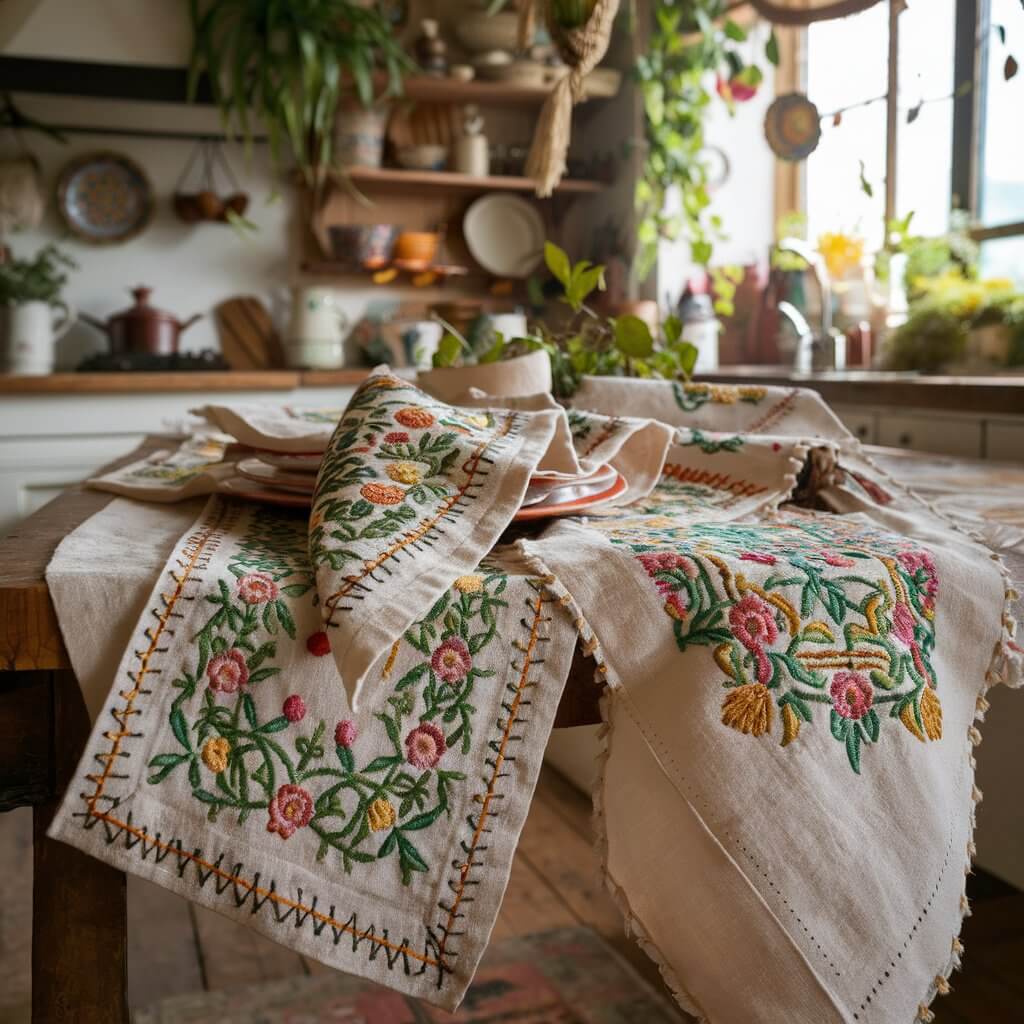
column 28, row 336
column 316, row 332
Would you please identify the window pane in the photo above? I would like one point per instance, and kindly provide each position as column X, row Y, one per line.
column 924, row 148
column 1004, row 257
column 1001, row 171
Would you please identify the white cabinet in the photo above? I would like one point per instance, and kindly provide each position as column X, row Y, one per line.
column 861, row 422
column 930, row 432
column 50, row 441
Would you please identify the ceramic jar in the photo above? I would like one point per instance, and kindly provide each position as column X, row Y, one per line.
column 28, row 336
column 359, row 135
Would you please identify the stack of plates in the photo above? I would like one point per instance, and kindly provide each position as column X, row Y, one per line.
column 276, row 478
column 291, row 480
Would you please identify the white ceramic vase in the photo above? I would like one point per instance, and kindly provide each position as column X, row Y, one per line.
column 29, row 335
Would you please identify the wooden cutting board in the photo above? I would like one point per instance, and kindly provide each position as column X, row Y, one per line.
column 248, row 340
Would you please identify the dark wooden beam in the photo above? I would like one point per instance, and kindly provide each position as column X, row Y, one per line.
column 966, row 141
column 103, row 81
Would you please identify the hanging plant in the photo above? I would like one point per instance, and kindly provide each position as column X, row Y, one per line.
column 286, row 66
column 687, row 52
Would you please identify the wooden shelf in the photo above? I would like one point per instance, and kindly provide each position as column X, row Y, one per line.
column 430, row 89
column 450, row 182
column 192, row 380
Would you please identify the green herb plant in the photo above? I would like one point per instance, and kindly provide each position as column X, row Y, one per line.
column 586, row 343
column 284, row 66
column 40, row 279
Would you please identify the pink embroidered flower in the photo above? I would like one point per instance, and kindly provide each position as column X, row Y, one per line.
column 292, row 808
column 294, row 708
column 257, row 588
column 758, row 556
column 903, row 624
column 665, row 561
column 852, row 694
column 396, row 437
column 839, row 561
column 451, row 660
column 921, row 566
column 424, row 746
column 345, row 733
column 753, row 623
column 318, row 643
column 228, row 672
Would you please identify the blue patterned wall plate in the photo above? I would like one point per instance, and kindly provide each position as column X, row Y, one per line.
column 104, row 197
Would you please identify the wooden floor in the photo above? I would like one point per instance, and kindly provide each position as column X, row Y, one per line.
column 555, row 882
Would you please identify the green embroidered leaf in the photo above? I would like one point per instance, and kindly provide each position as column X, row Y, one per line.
column 274, row 725
column 423, row 820
column 871, row 725
column 392, row 729
column 206, row 796
column 853, row 748
column 194, row 775
column 414, row 675
column 249, row 710
column 389, row 844
column 345, row 758
column 285, row 618
column 264, row 673
column 360, row 509
column 166, row 763
column 840, row 726
column 296, row 589
column 882, row 679
column 180, row 728
column 380, row 763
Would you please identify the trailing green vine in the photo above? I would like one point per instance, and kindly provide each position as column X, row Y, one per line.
column 688, row 43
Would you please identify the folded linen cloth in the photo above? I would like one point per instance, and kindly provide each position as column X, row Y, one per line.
column 790, row 710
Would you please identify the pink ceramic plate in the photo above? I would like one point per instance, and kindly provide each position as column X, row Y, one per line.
column 566, row 508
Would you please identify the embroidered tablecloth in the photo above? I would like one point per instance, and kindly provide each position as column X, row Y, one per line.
column 331, row 727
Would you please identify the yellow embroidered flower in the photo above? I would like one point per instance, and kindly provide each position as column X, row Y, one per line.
column 724, row 394
column 931, row 714
column 380, row 814
column 748, row 709
column 469, row 584
column 215, row 754
column 790, row 725
column 751, row 393
column 479, row 420
column 404, row 472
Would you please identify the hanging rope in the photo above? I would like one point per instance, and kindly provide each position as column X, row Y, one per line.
column 582, row 49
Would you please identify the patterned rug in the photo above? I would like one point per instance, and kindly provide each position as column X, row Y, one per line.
column 567, row 976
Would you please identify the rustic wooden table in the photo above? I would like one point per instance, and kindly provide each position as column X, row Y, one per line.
column 78, row 903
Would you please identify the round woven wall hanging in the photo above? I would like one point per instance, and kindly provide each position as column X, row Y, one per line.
column 792, row 126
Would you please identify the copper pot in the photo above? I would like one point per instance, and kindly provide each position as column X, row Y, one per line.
column 142, row 327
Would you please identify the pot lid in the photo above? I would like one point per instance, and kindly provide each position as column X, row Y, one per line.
column 142, row 311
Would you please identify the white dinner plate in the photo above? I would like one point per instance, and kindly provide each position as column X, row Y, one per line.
column 505, row 235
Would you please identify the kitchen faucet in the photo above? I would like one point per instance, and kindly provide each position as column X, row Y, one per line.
column 824, row 349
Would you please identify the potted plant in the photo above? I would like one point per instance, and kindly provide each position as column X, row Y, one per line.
column 29, row 294
column 289, row 67
column 555, row 358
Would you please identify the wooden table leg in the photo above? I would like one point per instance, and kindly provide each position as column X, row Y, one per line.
column 79, row 948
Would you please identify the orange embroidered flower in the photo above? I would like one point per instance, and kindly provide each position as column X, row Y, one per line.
column 404, row 472
column 215, row 754
column 380, row 814
column 748, row 709
column 382, row 494
column 469, row 584
column 291, row 809
column 414, row 416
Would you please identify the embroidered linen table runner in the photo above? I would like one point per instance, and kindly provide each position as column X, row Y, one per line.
column 788, row 773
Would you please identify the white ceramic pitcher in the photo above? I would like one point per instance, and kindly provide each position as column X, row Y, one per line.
column 317, row 329
column 29, row 336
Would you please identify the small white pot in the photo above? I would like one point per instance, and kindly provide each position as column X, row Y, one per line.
column 513, row 378
column 28, row 336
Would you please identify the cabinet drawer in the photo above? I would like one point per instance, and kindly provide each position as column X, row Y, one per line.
column 1004, row 440
column 859, row 421
column 931, row 434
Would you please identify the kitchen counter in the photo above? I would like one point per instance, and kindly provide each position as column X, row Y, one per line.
column 199, row 380
column 1003, row 396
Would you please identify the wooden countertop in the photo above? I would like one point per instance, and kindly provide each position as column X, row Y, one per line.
column 992, row 396
column 199, row 380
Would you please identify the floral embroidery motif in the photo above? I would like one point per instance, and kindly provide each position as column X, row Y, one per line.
column 690, row 397
column 709, row 445
column 397, row 778
column 844, row 619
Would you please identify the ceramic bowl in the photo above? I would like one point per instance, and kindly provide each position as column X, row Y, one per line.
column 417, row 247
column 363, row 245
column 422, row 158
column 479, row 32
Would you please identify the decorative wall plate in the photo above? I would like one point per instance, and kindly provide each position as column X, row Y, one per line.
column 505, row 235
column 104, row 198
column 792, row 126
